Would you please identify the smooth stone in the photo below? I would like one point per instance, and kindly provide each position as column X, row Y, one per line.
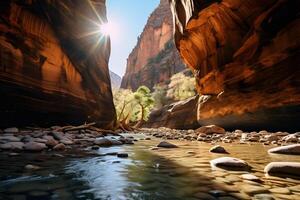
column 32, row 167
column 111, row 153
column 263, row 197
column 250, row 177
column 293, row 149
column 218, row 149
column 51, row 142
column 253, row 189
column 116, row 142
column 280, row 190
column 102, row 142
column 217, row 193
column 34, row 146
column 40, row 140
column 58, row 135
column 59, row 147
column 94, row 147
column 147, row 138
column 165, row 144
column 11, row 130
column 122, row 155
column 10, row 138
column 154, row 148
column 12, row 146
column 283, row 169
column 230, row 163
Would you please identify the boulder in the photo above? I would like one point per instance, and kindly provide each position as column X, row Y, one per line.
column 102, row 142
column 283, row 169
column 211, row 129
column 34, row 146
column 218, row 149
column 230, row 163
column 165, row 144
column 59, row 147
column 293, row 149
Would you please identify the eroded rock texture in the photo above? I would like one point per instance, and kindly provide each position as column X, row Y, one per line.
column 155, row 58
column 245, row 57
column 51, row 71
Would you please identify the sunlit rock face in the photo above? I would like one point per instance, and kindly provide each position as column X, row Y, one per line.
column 154, row 58
column 51, row 71
column 245, row 57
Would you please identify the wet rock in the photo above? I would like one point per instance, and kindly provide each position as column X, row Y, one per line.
column 154, row 148
column 59, row 147
column 40, row 140
column 13, row 154
column 11, row 130
column 230, row 163
column 34, row 146
column 122, row 155
column 217, row 193
column 12, row 146
column 102, row 142
column 94, row 147
column 10, row 138
column 116, row 142
column 293, row 149
column 271, row 138
column 283, row 169
column 32, row 167
column 165, row 144
column 211, row 129
column 250, row 177
column 218, row 149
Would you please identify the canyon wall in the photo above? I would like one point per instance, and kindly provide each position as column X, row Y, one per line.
column 154, row 59
column 245, row 57
column 51, row 70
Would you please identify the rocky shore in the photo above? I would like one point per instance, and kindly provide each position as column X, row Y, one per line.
column 58, row 138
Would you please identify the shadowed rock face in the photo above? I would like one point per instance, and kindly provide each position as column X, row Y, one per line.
column 245, row 57
column 51, row 71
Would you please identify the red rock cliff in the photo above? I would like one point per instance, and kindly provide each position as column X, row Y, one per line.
column 245, row 57
column 50, row 69
column 155, row 58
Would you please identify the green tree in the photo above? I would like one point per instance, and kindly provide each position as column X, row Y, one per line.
column 181, row 87
column 160, row 96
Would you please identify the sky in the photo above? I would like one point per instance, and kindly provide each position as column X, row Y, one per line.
column 128, row 18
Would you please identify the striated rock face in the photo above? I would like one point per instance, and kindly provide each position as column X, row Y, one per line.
column 115, row 79
column 155, row 58
column 51, row 71
column 245, row 57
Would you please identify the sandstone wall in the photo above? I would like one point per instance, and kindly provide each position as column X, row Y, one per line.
column 245, row 57
column 154, row 58
column 51, row 72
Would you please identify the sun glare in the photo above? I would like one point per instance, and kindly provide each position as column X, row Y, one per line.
column 108, row 29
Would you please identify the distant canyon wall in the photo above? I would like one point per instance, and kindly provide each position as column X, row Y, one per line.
column 154, row 59
column 245, row 57
column 51, row 71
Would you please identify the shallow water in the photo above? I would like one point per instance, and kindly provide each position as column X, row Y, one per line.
column 181, row 173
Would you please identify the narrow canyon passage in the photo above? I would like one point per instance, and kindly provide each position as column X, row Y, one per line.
column 207, row 107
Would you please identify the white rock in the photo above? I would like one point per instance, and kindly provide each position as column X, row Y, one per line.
column 283, row 169
column 293, row 149
column 230, row 163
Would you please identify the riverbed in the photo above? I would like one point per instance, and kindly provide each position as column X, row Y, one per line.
column 147, row 173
